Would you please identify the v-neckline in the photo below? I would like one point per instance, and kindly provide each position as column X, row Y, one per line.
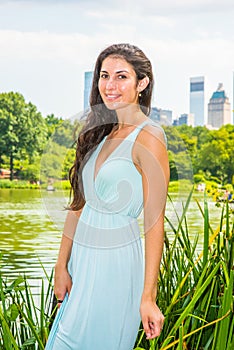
column 100, row 147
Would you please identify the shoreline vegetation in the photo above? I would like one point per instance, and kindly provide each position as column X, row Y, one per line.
column 65, row 184
column 218, row 192
column 40, row 150
column 195, row 293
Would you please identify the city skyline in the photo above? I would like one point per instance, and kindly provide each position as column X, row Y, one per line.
column 47, row 46
column 199, row 105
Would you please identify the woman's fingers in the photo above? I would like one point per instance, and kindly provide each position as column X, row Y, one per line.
column 62, row 285
column 60, row 297
column 153, row 328
column 146, row 327
column 69, row 286
column 59, row 302
column 152, row 319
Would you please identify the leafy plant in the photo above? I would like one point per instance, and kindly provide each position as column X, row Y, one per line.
column 195, row 291
column 23, row 324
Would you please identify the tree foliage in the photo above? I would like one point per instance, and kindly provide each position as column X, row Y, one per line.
column 24, row 134
column 208, row 151
column 23, row 130
column 52, row 161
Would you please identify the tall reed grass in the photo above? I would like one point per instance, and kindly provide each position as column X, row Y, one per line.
column 195, row 294
column 23, row 323
column 196, row 290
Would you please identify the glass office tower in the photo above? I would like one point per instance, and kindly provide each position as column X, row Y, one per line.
column 88, row 78
column 197, row 100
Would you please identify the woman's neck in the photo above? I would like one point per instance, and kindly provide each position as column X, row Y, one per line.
column 129, row 116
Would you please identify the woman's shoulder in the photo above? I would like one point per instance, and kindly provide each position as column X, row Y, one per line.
column 153, row 132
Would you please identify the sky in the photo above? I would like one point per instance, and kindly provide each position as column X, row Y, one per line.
column 47, row 45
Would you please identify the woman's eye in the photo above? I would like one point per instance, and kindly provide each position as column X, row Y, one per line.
column 122, row 76
column 104, row 76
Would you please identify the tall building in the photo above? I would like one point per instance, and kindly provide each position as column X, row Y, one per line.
column 187, row 119
column 88, row 78
column 219, row 109
column 162, row 116
column 197, row 100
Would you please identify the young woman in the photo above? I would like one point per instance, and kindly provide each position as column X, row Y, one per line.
column 104, row 283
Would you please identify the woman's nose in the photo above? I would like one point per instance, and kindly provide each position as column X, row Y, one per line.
column 110, row 84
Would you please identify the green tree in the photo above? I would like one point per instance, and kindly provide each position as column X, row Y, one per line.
column 23, row 130
column 216, row 156
column 209, row 152
column 52, row 162
column 64, row 134
column 180, row 151
column 68, row 162
column 52, row 123
column 202, row 134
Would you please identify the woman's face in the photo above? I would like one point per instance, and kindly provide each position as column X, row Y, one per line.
column 117, row 83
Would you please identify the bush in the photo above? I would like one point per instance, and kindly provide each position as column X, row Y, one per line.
column 18, row 184
column 180, row 185
column 198, row 178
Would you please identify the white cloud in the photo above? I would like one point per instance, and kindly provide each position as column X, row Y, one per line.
column 184, row 6
column 179, row 46
column 74, row 47
column 69, row 48
column 160, row 7
column 172, row 59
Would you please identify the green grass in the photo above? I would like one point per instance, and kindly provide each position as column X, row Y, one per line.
column 195, row 293
column 23, row 184
column 17, row 184
column 181, row 185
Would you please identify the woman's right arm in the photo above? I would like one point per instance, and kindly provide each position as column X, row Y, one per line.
column 62, row 278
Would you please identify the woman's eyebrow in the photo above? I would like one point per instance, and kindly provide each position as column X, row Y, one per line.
column 122, row 71
column 117, row 72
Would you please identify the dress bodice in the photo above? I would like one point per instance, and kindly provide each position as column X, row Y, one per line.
column 117, row 187
column 113, row 199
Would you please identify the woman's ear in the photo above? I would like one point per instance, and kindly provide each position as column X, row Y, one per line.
column 142, row 84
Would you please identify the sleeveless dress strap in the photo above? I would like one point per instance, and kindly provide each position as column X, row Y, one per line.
column 139, row 127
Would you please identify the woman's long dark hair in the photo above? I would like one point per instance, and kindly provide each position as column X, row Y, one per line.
column 100, row 120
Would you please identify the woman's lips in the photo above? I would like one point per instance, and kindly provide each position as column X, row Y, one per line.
column 112, row 97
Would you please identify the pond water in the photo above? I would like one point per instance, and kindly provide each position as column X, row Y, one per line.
column 31, row 223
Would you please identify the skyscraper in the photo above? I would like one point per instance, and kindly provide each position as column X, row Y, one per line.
column 88, row 78
column 197, row 100
column 219, row 109
column 187, row 119
column 162, row 116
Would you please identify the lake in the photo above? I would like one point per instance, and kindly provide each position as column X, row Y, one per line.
column 31, row 223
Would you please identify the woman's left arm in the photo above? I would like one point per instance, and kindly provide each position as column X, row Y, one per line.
column 153, row 160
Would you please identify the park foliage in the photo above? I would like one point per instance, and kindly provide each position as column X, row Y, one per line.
column 37, row 148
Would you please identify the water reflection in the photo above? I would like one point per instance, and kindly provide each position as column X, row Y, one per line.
column 27, row 233
column 31, row 222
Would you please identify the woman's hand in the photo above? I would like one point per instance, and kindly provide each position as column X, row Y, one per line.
column 62, row 283
column 152, row 319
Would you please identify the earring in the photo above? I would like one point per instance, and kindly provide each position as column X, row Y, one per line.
column 139, row 94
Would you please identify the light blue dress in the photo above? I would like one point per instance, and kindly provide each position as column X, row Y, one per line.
column 106, row 263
